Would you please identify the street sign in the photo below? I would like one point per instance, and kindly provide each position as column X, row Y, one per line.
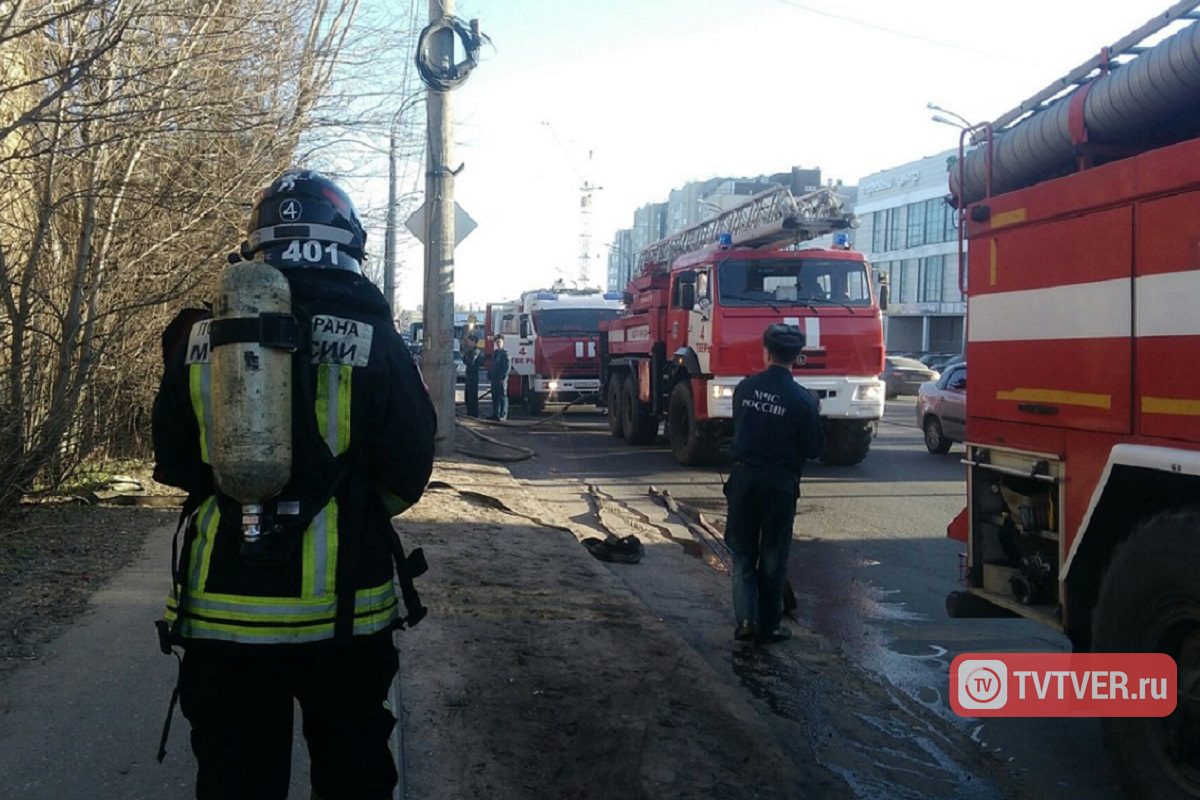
column 463, row 224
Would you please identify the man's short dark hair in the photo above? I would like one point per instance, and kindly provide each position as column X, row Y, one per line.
column 472, row 337
column 497, row 338
column 783, row 342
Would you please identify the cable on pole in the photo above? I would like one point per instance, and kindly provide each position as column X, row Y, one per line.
column 445, row 79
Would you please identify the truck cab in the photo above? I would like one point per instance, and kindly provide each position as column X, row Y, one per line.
column 693, row 325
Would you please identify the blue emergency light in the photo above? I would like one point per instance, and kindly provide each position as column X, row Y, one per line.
column 842, row 241
column 725, row 241
column 547, row 296
column 612, row 295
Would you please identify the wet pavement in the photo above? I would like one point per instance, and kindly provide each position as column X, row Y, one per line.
column 871, row 568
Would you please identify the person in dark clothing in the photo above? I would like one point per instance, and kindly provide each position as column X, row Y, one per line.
column 473, row 359
column 498, row 375
column 776, row 426
column 303, row 610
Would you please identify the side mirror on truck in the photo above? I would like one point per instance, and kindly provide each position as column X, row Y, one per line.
column 687, row 295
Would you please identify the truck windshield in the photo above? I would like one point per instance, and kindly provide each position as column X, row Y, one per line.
column 793, row 282
column 572, row 321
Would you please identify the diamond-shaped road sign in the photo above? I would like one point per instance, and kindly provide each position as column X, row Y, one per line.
column 463, row 224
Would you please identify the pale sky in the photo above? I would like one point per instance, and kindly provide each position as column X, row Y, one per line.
column 667, row 91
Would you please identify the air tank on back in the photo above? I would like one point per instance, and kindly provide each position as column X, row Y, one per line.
column 251, row 389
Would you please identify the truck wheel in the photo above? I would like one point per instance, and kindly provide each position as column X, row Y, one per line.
column 639, row 426
column 1150, row 603
column 693, row 443
column 616, row 396
column 847, row 442
column 935, row 441
column 534, row 401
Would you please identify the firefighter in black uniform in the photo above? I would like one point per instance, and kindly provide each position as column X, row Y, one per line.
column 308, row 614
column 776, row 426
column 473, row 359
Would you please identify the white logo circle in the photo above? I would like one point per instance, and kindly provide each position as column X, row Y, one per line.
column 291, row 210
column 983, row 684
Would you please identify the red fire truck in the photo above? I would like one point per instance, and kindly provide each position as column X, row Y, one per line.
column 1083, row 412
column 695, row 314
column 551, row 336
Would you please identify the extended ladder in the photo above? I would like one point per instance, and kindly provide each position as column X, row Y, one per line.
column 767, row 218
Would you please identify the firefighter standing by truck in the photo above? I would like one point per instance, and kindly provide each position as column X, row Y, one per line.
column 294, row 599
column 776, row 426
column 473, row 359
column 498, row 374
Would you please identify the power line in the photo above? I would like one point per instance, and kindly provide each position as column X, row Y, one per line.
column 902, row 34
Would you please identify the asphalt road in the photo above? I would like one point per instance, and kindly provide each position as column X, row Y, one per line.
column 870, row 565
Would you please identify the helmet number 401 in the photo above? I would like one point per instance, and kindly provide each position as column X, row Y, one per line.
column 310, row 250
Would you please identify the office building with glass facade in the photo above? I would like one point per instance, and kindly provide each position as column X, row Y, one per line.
column 909, row 233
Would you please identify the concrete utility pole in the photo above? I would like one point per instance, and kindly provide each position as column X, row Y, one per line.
column 389, row 244
column 437, row 362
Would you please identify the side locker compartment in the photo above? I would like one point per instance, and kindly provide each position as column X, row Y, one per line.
column 1016, row 545
column 1050, row 324
column 1166, row 317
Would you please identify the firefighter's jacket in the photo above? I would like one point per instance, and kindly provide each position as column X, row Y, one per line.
column 363, row 432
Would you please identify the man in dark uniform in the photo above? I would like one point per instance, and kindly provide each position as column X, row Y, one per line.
column 473, row 360
column 498, row 375
column 776, row 426
column 306, row 611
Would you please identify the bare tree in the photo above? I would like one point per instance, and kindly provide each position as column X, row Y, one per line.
column 132, row 135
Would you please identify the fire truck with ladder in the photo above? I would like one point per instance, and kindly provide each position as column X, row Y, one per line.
column 1082, row 210
column 551, row 336
column 696, row 311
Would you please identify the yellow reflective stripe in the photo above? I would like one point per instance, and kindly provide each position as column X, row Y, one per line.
column 200, row 389
column 331, row 553
column 345, row 378
column 1008, row 218
column 322, row 404
column 319, row 563
column 282, row 609
column 1086, row 399
column 287, row 619
column 207, row 519
column 308, row 562
column 204, row 629
column 333, row 405
column 1171, row 405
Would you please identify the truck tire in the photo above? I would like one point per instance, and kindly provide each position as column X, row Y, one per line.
column 1150, row 603
column 640, row 427
column 693, row 443
column 847, row 442
column 534, row 401
column 616, row 396
column 935, row 440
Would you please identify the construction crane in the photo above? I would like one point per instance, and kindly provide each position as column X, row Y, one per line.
column 587, row 190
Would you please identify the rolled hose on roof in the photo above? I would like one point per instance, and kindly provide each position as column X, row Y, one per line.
column 1138, row 105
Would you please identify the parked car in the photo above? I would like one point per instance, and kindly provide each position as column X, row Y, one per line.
column 942, row 409
column 939, row 360
column 905, row 375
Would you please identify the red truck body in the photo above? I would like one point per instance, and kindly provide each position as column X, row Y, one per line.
column 552, row 338
column 692, row 330
column 1083, row 410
